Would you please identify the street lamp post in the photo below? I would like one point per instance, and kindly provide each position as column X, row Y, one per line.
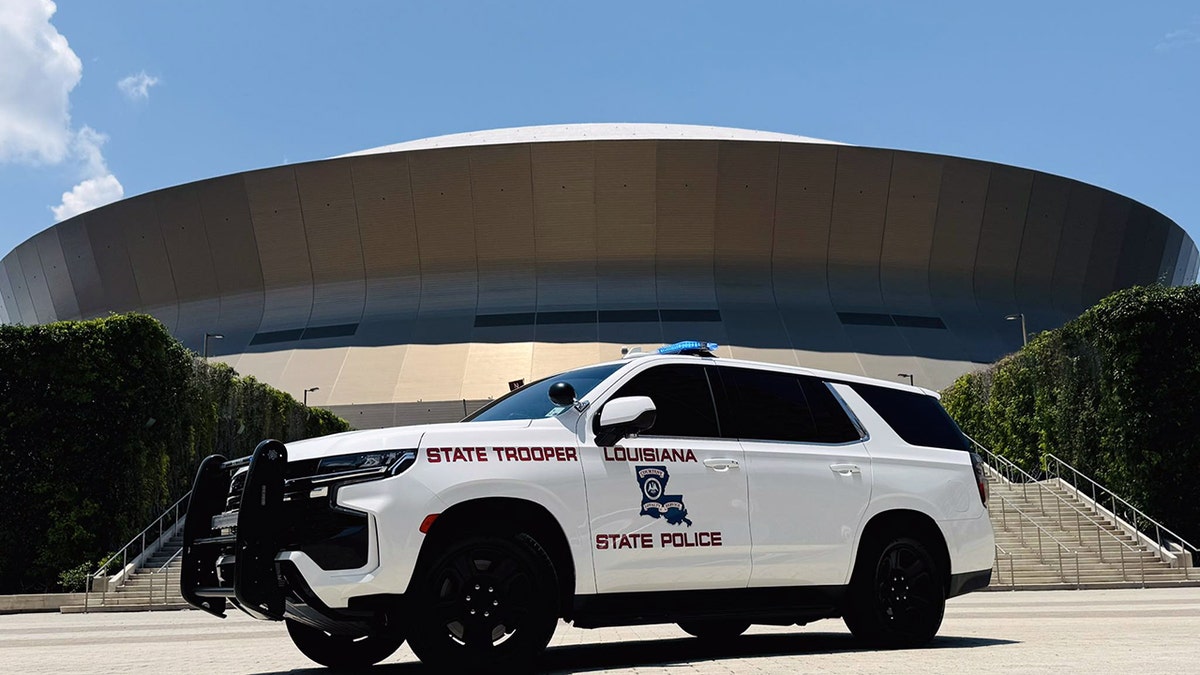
column 1024, row 331
column 306, row 394
column 909, row 376
column 210, row 336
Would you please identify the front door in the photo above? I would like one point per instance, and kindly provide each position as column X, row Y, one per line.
column 668, row 510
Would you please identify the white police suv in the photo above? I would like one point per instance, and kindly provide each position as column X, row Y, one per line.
column 668, row 487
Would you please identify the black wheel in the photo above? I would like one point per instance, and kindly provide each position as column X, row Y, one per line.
column 485, row 602
column 721, row 628
column 343, row 651
column 897, row 594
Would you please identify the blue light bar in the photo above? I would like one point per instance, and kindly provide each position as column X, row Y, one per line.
column 689, row 347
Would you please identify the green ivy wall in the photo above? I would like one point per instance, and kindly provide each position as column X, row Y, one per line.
column 102, row 424
column 1115, row 392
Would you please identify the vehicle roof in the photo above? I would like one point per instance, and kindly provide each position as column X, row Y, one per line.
column 802, row 370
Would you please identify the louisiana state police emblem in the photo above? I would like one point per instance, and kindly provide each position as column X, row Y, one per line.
column 655, row 502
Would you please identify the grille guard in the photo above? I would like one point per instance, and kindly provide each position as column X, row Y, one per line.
column 257, row 586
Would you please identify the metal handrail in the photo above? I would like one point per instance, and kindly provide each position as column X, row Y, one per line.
column 1040, row 532
column 127, row 551
column 165, row 570
column 1043, row 489
column 1113, row 499
column 1060, row 500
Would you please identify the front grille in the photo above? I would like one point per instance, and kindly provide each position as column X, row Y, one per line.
column 335, row 538
column 236, row 486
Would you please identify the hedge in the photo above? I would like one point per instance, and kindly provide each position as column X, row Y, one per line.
column 1115, row 392
column 102, row 425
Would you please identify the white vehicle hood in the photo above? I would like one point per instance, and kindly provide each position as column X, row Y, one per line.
column 371, row 440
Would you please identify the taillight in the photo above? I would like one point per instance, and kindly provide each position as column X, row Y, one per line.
column 980, row 478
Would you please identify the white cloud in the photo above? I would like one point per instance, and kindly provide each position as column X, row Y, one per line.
column 36, row 80
column 99, row 187
column 137, row 87
column 38, row 72
column 1177, row 39
column 88, row 195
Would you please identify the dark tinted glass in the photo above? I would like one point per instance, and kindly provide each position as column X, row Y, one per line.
column 917, row 418
column 768, row 406
column 833, row 424
column 533, row 400
column 681, row 396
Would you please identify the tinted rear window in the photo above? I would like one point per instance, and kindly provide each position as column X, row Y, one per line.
column 917, row 418
column 833, row 424
column 768, row 406
column 775, row 406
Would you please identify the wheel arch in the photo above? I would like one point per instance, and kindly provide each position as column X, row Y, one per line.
column 898, row 522
column 504, row 515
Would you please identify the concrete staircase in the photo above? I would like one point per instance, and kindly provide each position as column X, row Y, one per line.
column 150, row 587
column 1046, row 538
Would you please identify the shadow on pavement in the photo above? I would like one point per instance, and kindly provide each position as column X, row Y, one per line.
column 583, row 658
column 640, row 653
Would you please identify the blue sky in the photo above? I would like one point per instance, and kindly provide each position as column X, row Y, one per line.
column 1102, row 91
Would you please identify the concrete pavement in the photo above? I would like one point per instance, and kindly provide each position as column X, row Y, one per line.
column 1100, row 631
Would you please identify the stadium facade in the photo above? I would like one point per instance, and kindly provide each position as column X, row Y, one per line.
column 412, row 282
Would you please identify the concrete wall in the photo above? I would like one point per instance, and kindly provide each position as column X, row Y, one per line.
column 42, row 602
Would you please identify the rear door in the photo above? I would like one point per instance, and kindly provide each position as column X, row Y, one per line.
column 808, row 472
column 668, row 510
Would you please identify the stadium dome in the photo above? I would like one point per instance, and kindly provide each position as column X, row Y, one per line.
column 414, row 281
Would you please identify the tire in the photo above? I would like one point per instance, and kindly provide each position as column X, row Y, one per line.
column 486, row 601
column 726, row 628
column 897, row 594
column 342, row 651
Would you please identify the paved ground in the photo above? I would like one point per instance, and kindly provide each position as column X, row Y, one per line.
column 1126, row 631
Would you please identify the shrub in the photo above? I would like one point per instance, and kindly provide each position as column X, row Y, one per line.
column 102, row 424
column 74, row 580
column 1113, row 392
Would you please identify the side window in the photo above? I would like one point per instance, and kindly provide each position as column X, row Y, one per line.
column 833, row 424
column 917, row 418
column 682, row 397
column 768, row 406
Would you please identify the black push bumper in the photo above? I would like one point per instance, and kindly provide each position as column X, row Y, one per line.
column 231, row 540
column 259, row 587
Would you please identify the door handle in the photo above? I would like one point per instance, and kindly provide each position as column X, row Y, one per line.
column 845, row 469
column 721, row 464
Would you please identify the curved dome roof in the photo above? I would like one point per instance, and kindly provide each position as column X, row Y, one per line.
column 553, row 133
column 415, row 280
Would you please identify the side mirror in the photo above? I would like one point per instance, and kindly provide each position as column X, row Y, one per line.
column 624, row 417
column 562, row 394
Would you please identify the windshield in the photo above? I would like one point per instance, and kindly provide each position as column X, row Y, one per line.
column 533, row 400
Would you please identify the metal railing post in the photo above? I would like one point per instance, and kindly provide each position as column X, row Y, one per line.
column 1142, row 568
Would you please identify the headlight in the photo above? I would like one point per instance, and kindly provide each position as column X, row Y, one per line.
column 378, row 464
